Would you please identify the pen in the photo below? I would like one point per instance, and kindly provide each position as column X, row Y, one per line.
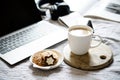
column 90, row 24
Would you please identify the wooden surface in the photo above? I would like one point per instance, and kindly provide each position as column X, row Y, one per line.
column 96, row 58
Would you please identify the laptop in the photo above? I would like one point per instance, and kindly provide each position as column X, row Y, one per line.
column 23, row 33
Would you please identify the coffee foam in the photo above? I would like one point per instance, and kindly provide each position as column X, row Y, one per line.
column 80, row 32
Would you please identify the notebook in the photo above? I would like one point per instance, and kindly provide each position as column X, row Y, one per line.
column 22, row 32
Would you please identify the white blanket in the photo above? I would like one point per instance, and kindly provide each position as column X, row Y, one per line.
column 110, row 31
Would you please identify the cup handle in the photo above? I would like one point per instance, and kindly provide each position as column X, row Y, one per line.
column 96, row 43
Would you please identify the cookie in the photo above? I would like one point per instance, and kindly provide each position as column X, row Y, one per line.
column 45, row 58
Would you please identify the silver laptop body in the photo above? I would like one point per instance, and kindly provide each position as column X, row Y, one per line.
column 22, row 43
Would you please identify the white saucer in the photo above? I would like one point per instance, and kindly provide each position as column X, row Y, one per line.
column 60, row 60
column 96, row 58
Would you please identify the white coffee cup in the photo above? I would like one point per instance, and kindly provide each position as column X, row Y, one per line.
column 79, row 39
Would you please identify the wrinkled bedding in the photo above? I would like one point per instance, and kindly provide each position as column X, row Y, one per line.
column 110, row 32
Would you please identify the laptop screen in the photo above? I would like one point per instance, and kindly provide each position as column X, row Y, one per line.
column 16, row 14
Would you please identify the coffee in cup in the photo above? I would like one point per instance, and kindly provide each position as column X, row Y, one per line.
column 80, row 32
column 80, row 37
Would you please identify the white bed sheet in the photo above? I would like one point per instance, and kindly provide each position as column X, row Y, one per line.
column 110, row 32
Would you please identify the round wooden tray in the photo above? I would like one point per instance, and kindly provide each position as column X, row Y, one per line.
column 96, row 58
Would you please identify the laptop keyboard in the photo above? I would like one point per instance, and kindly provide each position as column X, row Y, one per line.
column 20, row 38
